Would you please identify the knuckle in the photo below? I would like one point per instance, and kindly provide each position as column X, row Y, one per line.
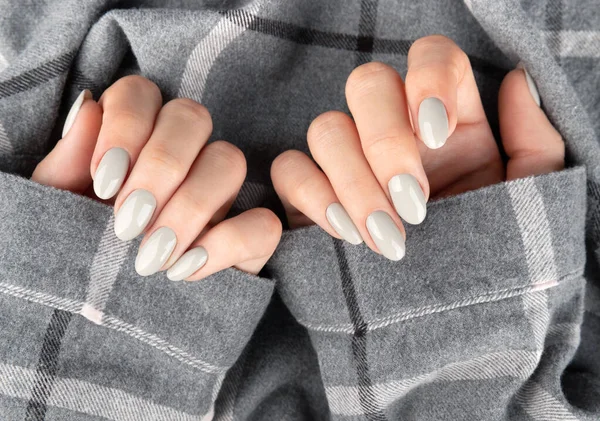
column 365, row 78
column 189, row 110
column 454, row 59
column 302, row 191
column 287, row 162
column 192, row 199
column 383, row 145
column 127, row 123
column 361, row 184
column 269, row 225
column 137, row 84
column 164, row 162
column 326, row 130
column 225, row 156
column 430, row 41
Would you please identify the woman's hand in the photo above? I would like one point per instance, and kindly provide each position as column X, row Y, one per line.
column 374, row 170
column 169, row 183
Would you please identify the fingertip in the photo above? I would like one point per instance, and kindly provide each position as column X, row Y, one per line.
column 74, row 151
column 533, row 145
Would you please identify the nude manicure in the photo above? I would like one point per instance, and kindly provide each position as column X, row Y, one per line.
column 188, row 264
column 72, row 116
column 408, row 198
column 134, row 214
column 386, row 235
column 111, row 173
column 342, row 224
column 155, row 252
column 433, row 123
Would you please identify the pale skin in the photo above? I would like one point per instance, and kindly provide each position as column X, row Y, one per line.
column 170, row 157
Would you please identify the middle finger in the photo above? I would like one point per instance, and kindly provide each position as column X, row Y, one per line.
column 182, row 128
column 376, row 98
column 334, row 144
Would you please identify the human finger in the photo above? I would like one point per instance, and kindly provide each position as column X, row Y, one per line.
column 182, row 128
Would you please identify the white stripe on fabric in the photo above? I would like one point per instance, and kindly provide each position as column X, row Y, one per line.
column 343, row 400
column 532, row 220
column 541, row 405
column 89, row 398
column 576, row 43
column 74, row 306
column 206, row 53
column 226, row 402
column 492, row 296
column 160, row 344
column 107, row 262
column 535, row 305
column 3, row 63
column 5, row 145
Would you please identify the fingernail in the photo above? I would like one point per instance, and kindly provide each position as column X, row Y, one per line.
column 342, row 224
column 134, row 214
column 386, row 235
column 155, row 252
column 187, row 264
column 433, row 123
column 111, row 173
column 85, row 94
column 530, row 84
column 408, row 198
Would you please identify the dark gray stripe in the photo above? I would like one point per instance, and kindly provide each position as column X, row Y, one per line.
column 47, row 365
column 554, row 12
column 37, row 76
column 593, row 193
column 370, row 44
column 367, row 399
column 82, row 82
column 366, row 31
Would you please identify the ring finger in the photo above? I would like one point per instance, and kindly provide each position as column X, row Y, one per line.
column 214, row 179
column 182, row 128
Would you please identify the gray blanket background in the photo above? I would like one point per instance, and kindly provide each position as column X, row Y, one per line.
column 493, row 314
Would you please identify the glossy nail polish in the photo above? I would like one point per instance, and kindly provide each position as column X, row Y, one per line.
column 408, row 198
column 386, row 235
column 531, row 85
column 134, row 214
column 342, row 224
column 72, row 116
column 155, row 252
column 186, row 265
column 433, row 123
column 111, row 173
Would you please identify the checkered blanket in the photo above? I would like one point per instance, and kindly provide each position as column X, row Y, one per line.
column 494, row 313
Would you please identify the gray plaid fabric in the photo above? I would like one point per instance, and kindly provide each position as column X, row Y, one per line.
column 494, row 313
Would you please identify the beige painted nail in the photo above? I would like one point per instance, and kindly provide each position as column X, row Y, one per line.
column 111, row 173
column 155, row 252
column 530, row 84
column 72, row 116
column 386, row 235
column 188, row 264
column 433, row 123
column 342, row 224
column 134, row 214
column 408, row 198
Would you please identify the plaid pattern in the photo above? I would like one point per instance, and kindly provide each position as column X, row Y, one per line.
column 493, row 314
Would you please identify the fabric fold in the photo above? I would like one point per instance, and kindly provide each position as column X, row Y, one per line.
column 59, row 253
